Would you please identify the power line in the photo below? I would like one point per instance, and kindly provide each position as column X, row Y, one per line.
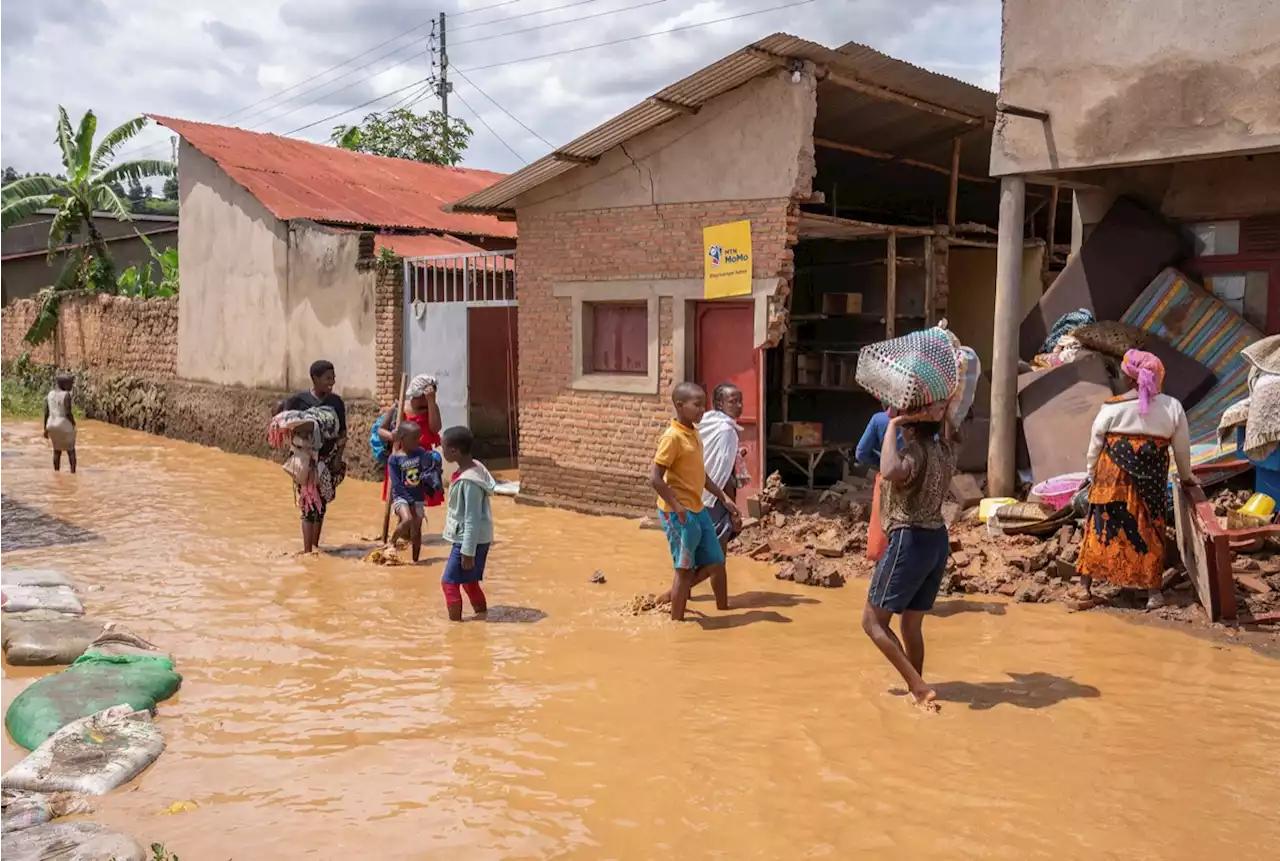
column 635, row 38
column 560, row 53
column 579, row 19
column 349, row 60
column 359, row 106
column 486, row 8
column 484, row 123
column 396, row 65
column 522, row 15
column 504, row 110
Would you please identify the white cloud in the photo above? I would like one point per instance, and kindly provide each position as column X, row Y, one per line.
column 225, row 61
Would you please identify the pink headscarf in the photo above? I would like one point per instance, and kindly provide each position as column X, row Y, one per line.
column 1148, row 371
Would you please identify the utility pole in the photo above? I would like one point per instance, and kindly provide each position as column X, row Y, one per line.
column 444, row 88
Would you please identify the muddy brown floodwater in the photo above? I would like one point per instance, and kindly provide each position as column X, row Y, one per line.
column 330, row 711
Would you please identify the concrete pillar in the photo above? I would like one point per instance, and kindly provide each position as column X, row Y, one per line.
column 1002, row 447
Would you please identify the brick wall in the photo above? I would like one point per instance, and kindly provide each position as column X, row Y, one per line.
column 388, row 337
column 594, row 449
column 106, row 333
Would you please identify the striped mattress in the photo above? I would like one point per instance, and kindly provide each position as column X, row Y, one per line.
column 1198, row 325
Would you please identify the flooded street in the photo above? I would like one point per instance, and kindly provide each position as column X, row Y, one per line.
column 329, row 710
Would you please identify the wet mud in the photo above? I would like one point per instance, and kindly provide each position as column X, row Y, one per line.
column 329, row 709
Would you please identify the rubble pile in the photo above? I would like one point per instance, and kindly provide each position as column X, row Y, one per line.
column 819, row 539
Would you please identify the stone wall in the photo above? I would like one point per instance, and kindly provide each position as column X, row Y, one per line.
column 100, row 332
column 592, row 449
column 123, row 353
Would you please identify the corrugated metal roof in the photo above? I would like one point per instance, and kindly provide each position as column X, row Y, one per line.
column 424, row 245
column 298, row 179
column 866, row 64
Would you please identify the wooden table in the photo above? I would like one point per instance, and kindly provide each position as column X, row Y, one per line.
column 806, row 458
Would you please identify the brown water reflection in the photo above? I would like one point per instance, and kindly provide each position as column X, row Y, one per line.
column 330, row 711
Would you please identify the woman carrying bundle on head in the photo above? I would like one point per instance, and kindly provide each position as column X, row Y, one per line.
column 1128, row 464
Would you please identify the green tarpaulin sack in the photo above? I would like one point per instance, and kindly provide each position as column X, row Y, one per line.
column 96, row 681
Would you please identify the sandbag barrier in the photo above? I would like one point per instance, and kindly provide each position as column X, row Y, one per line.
column 89, row 726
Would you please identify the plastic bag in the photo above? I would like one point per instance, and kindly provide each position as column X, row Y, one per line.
column 11, row 576
column 60, row 599
column 877, row 540
column 96, row 681
column 970, row 369
column 43, row 638
column 91, row 756
column 70, row 841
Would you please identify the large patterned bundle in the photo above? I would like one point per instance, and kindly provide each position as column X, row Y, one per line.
column 912, row 371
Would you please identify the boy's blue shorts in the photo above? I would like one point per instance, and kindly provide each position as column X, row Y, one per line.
column 693, row 543
column 909, row 574
column 455, row 573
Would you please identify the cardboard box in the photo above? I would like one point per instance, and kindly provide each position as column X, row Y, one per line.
column 841, row 303
column 839, row 370
column 796, row 434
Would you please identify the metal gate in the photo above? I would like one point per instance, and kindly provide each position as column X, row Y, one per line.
column 438, row 291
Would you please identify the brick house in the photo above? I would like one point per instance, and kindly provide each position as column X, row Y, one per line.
column 861, row 176
column 286, row 256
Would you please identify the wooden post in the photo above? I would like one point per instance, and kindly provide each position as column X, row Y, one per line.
column 386, row 509
column 1002, row 448
column 788, row 370
column 930, row 284
column 1053, row 228
column 891, row 286
column 955, row 185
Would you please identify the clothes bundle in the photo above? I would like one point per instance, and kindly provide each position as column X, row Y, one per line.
column 302, row 433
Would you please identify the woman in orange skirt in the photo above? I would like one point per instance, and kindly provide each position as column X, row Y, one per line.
column 1133, row 437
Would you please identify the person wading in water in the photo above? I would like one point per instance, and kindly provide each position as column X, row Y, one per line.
column 916, row 469
column 321, row 394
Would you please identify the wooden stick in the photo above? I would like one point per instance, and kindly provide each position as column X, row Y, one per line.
column 874, row 91
column 930, row 284
column 886, row 156
column 1052, row 228
column 953, row 191
column 891, row 287
column 386, row 509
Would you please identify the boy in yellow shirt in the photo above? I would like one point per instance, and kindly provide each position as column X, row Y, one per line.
column 679, row 476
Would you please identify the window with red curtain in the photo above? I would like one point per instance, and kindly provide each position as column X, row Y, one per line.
column 619, row 338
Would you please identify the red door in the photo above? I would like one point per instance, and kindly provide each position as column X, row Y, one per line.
column 725, row 352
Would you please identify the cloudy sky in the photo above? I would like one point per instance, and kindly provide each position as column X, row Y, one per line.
column 269, row 65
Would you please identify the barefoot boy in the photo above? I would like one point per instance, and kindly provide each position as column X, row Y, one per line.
column 916, row 470
column 407, row 468
column 60, row 422
column 679, row 477
column 468, row 525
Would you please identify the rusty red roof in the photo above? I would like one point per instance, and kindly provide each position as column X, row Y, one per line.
column 298, row 179
column 424, row 245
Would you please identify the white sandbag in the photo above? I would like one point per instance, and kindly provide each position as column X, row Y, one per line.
column 92, row 755
column 507, row 488
column 60, row 599
column 11, row 576
column 24, row 810
column 70, row 841
column 41, row 638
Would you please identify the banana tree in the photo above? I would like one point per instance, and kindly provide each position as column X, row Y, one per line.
column 87, row 188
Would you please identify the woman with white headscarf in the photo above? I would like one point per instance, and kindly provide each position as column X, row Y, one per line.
column 422, row 410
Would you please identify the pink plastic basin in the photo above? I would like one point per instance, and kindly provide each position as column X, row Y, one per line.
column 1057, row 492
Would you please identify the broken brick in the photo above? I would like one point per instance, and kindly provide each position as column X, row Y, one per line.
column 1253, row 584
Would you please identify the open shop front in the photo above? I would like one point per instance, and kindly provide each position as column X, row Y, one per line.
column 898, row 235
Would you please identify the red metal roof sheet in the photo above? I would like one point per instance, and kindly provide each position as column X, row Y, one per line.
column 299, row 179
column 426, row 245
